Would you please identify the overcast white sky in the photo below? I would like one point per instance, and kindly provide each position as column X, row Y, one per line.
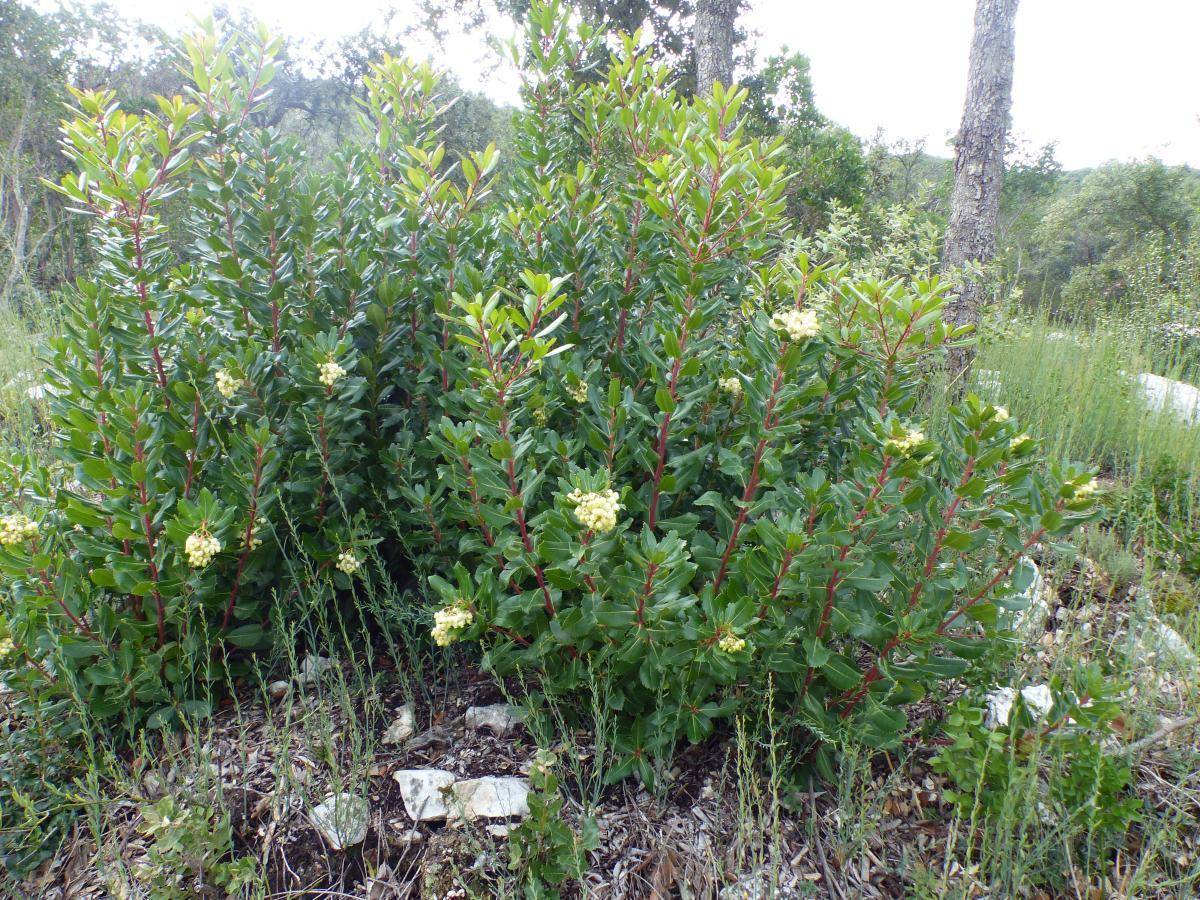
column 1105, row 79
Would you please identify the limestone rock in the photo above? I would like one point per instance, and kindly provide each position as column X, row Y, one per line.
column 341, row 820
column 423, row 792
column 313, row 666
column 1157, row 643
column 1166, row 394
column 403, row 727
column 1037, row 697
column 491, row 797
column 278, row 689
column 499, row 718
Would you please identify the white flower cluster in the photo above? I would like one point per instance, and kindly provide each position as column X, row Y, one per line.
column 1020, row 442
column 596, row 511
column 799, row 324
column 905, row 444
column 201, row 547
column 227, row 384
column 1000, row 414
column 347, row 562
column 731, row 385
column 331, row 373
column 578, row 392
column 449, row 621
column 731, row 643
column 16, row 529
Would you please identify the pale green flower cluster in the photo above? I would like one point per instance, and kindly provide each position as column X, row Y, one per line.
column 331, row 373
column 348, row 563
column 200, row 548
column 448, row 623
column 255, row 541
column 731, row 385
column 227, row 384
column 16, row 529
column 731, row 643
column 1019, row 443
column 1086, row 490
column 905, row 444
column 578, row 392
column 798, row 324
column 597, row 510
column 1000, row 414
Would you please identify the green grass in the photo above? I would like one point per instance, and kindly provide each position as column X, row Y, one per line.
column 1074, row 391
column 22, row 336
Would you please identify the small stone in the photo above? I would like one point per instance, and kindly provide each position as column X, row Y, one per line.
column 341, row 820
column 313, row 667
column 491, row 797
column 404, row 726
column 278, row 689
column 152, row 783
column 423, row 792
column 1038, row 700
column 500, row 718
column 499, row 830
column 408, row 837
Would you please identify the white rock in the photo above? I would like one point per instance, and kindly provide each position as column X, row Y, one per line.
column 278, row 689
column 761, row 885
column 424, row 792
column 999, row 706
column 404, row 726
column 313, row 666
column 491, row 797
column 500, row 718
column 1031, row 620
column 1157, row 642
column 1037, row 697
column 1166, row 394
column 341, row 820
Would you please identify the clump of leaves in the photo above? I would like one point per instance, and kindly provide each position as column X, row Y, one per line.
column 1082, row 788
column 204, row 401
column 544, row 849
column 188, row 852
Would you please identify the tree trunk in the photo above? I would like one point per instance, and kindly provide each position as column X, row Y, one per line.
column 714, row 43
column 979, row 157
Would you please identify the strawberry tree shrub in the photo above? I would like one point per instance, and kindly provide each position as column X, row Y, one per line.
column 623, row 429
column 210, row 417
column 676, row 457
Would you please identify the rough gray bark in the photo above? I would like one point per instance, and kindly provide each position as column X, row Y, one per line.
column 714, row 42
column 979, row 154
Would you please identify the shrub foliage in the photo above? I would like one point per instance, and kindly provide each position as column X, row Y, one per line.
column 629, row 431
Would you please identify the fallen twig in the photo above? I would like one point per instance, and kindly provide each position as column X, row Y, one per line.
column 1164, row 732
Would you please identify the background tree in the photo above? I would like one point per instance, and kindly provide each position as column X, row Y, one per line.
column 826, row 161
column 979, row 153
column 714, row 42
